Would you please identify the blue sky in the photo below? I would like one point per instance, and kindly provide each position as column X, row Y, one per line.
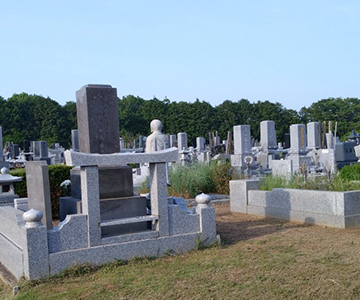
column 292, row 52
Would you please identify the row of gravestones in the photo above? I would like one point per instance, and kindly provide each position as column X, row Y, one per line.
column 32, row 151
column 304, row 148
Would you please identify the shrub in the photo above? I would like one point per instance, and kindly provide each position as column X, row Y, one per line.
column 350, row 172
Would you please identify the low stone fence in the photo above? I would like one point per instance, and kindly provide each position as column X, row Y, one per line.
column 335, row 209
column 29, row 248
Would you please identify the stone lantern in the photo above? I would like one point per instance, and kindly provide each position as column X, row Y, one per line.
column 7, row 192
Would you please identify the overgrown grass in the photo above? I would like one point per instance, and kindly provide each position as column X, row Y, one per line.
column 189, row 181
column 338, row 182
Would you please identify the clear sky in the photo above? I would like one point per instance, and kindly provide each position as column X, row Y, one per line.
column 292, row 52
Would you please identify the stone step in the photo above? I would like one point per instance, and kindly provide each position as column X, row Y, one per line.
column 122, row 221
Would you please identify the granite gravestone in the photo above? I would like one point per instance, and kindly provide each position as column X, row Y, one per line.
column 242, row 145
column 98, row 122
column 268, row 135
column 242, row 139
column 75, row 140
column 297, row 138
column 200, row 144
column 172, row 141
column 313, row 135
column 182, row 141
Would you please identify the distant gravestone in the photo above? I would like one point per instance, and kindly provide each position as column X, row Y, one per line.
column 200, row 144
column 26, row 146
column 297, row 138
column 242, row 139
column 36, row 148
column 15, row 150
column 75, row 140
column 44, row 152
column 98, row 122
column 122, row 143
column 182, row 141
column 313, row 135
column 142, row 140
column 268, row 135
column 287, row 140
column 172, row 141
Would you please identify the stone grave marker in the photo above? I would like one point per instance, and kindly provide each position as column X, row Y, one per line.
column 75, row 140
column 98, row 122
column 268, row 135
column 313, row 135
column 182, row 141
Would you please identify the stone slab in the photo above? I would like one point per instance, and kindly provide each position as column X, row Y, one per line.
column 12, row 224
column 11, row 256
column 97, row 117
column 69, row 206
column 69, row 234
column 239, row 193
column 108, row 253
column 117, row 208
column 182, row 222
column 114, row 181
column 38, row 189
column 299, row 216
column 84, row 159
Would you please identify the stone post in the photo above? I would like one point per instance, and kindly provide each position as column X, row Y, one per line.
column 36, row 251
column 239, row 193
column 158, row 192
column 90, row 197
column 38, row 189
column 207, row 217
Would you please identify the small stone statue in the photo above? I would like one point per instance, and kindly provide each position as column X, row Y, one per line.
column 156, row 141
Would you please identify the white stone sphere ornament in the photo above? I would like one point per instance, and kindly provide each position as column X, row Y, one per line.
column 4, row 171
column 203, row 200
column 33, row 218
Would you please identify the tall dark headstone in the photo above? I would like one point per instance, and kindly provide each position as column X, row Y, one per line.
column 97, row 117
column 26, row 146
column 98, row 132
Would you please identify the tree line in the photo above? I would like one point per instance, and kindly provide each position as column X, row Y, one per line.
column 34, row 117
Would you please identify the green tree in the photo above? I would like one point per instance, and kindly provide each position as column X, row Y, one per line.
column 131, row 119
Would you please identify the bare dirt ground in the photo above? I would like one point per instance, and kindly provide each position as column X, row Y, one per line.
column 235, row 227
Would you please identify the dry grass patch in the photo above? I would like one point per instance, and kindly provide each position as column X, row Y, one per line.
column 260, row 259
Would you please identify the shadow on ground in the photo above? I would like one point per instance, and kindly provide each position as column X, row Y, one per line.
column 236, row 227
